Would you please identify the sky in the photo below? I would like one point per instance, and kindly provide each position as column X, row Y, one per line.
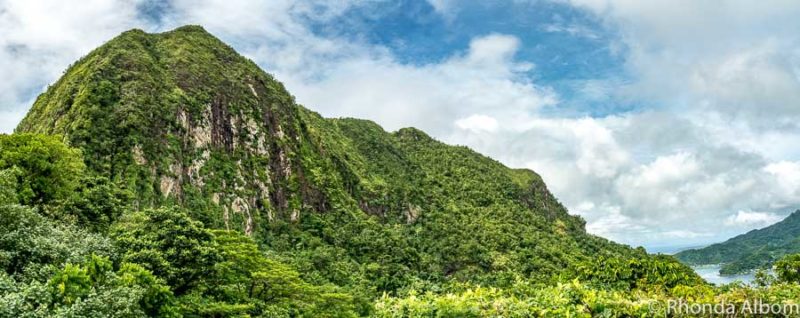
column 662, row 123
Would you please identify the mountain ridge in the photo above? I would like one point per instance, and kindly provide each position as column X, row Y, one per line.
column 220, row 135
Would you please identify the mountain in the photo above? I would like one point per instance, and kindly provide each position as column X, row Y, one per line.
column 179, row 118
column 752, row 250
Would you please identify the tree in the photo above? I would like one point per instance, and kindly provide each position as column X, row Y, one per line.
column 167, row 242
column 96, row 204
column 94, row 289
column 8, row 187
column 46, row 168
column 157, row 299
column 248, row 281
column 76, row 281
column 788, row 268
column 30, row 242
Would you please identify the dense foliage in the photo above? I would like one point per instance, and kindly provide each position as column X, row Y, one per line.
column 157, row 262
column 46, row 169
column 165, row 175
column 752, row 250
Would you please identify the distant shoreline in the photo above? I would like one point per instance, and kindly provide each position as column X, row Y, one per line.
column 710, row 272
column 672, row 250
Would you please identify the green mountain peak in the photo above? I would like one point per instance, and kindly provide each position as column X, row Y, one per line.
column 179, row 117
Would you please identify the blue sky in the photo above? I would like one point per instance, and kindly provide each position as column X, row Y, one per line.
column 662, row 123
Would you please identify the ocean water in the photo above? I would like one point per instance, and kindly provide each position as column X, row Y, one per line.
column 711, row 274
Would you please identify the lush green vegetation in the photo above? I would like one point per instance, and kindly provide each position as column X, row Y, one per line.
column 165, row 175
column 750, row 251
column 46, row 170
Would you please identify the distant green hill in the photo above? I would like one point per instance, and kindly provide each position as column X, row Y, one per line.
column 752, row 250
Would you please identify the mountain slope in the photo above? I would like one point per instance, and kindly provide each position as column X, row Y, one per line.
column 179, row 118
column 752, row 250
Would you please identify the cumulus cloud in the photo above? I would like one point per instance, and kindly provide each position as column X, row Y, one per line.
column 662, row 185
column 477, row 123
column 612, row 224
column 684, row 234
column 735, row 58
column 41, row 38
column 752, row 219
column 786, row 176
column 430, row 96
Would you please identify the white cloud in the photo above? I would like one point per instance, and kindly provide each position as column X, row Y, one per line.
column 430, row 96
column 446, row 8
column 662, row 185
column 41, row 38
column 572, row 29
column 786, row 176
column 683, row 234
column 752, row 219
column 736, row 58
column 275, row 33
column 492, row 50
column 612, row 224
column 598, row 152
column 672, row 169
column 337, row 76
column 477, row 123
column 10, row 118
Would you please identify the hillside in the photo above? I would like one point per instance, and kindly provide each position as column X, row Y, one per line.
column 182, row 138
column 752, row 250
